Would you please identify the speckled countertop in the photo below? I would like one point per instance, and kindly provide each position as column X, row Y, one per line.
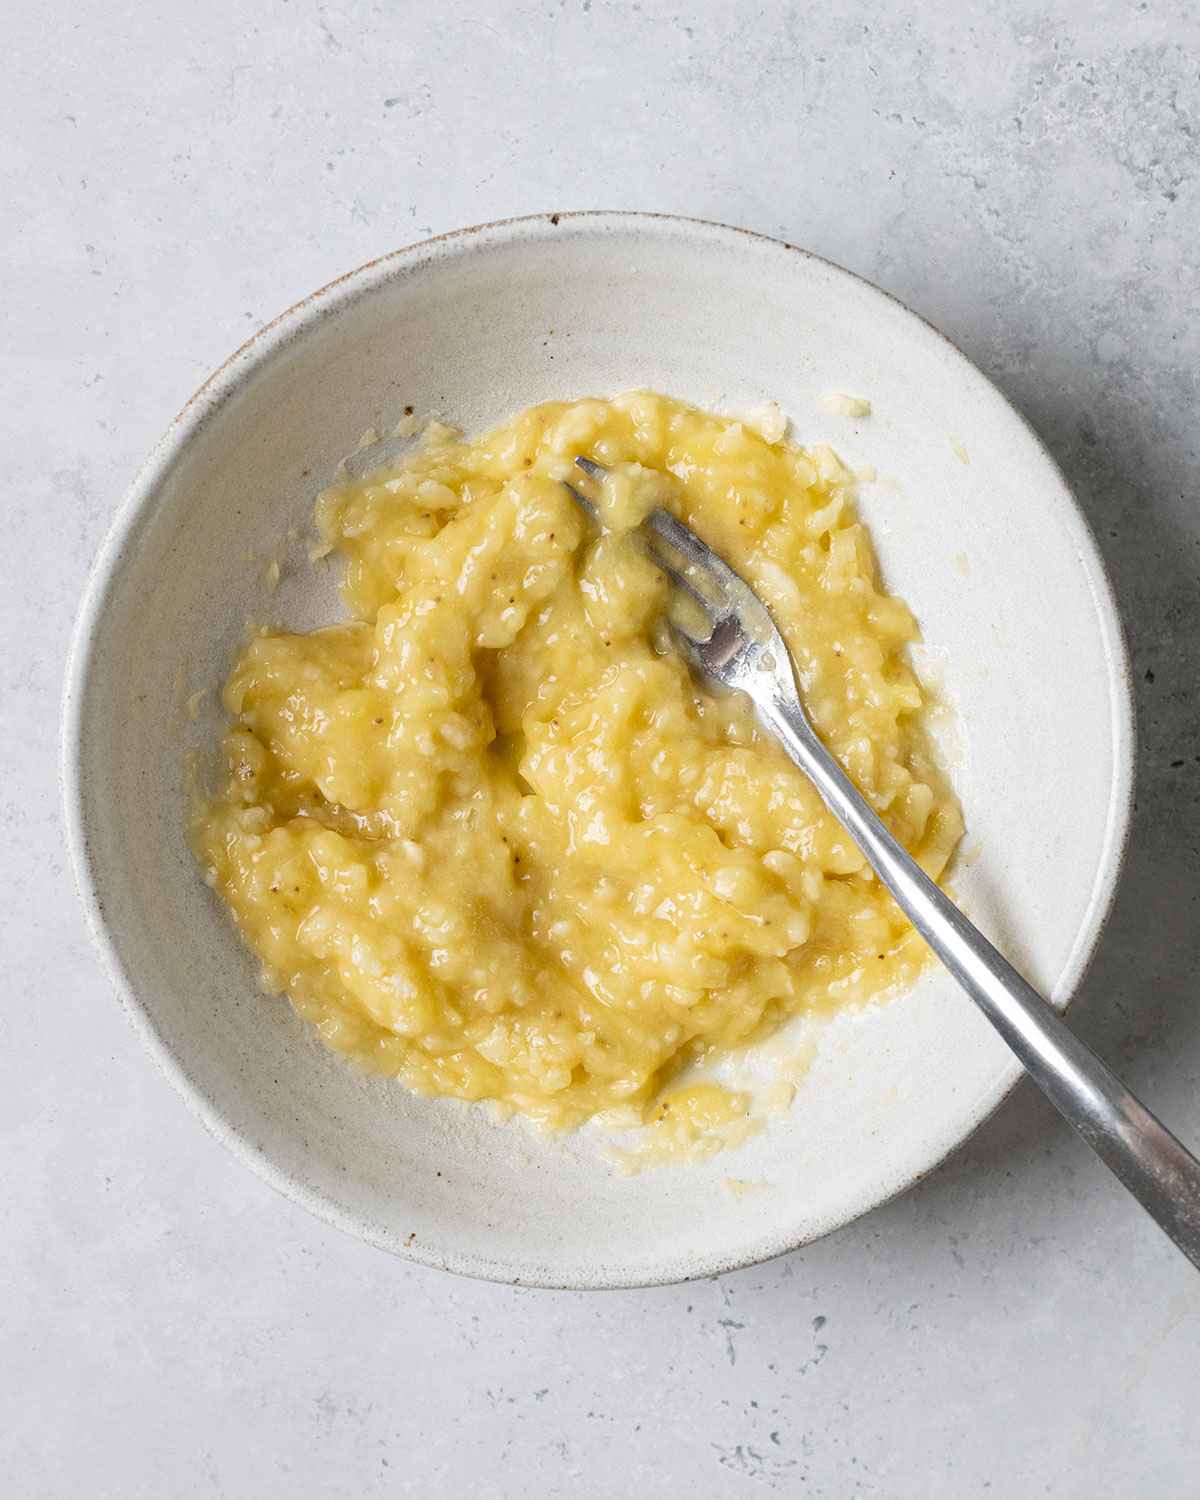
column 175, row 174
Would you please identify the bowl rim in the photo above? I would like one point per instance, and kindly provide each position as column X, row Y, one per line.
column 136, row 509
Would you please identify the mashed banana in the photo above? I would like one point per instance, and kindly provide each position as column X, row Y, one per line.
column 492, row 839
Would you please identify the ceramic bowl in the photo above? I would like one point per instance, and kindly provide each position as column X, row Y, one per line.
column 975, row 528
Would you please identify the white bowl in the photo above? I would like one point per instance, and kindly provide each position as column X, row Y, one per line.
column 976, row 530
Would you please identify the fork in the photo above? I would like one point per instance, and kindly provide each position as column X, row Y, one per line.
column 743, row 650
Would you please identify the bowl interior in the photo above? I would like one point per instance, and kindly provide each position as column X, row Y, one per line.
column 975, row 530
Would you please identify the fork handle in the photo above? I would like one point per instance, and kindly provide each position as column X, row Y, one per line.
column 1156, row 1168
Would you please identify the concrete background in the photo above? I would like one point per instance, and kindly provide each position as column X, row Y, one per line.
column 173, row 176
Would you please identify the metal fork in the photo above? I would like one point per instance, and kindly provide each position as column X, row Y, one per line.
column 743, row 650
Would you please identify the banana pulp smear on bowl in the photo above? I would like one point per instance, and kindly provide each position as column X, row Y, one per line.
column 491, row 838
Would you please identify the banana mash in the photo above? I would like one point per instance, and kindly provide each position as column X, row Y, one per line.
column 491, row 838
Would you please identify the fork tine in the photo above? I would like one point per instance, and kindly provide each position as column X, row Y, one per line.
column 743, row 642
column 694, row 548
column 582, row 501
column 660, row 523
column 681, row 581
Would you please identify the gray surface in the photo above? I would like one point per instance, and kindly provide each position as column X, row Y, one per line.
column 1023, row 176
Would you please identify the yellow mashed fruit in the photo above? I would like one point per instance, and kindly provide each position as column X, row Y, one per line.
column 490, row 836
